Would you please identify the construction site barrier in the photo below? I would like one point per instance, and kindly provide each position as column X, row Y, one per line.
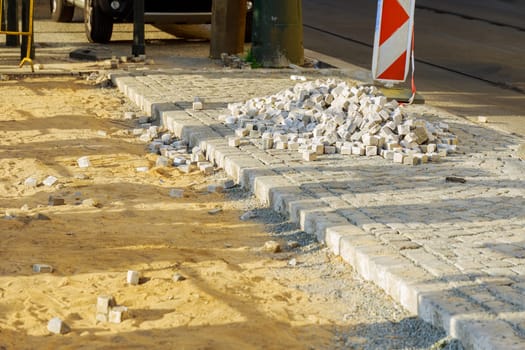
column 393, row 40
column 28, row 33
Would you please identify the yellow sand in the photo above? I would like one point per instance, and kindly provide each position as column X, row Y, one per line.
column 230, row 299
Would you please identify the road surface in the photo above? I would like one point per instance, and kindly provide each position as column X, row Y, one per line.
column 469, row 54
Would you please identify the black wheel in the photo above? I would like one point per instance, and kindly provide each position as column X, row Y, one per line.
column 98, row 25
column 249, row 20
column 61, row 11
column 248, row 28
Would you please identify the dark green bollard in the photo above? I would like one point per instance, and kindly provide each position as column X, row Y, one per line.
column 277, row 34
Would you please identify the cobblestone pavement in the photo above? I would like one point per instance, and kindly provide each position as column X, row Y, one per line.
column 453, row 253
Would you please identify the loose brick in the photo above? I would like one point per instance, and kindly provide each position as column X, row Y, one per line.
column 197, row 104
column 398, row 157
column 242, row 132
column 267, row 143
column 293, row 145
column 433, row 157
column 179, row 161
column 358, row 150
column 329, row 150
column 177, row 277
column 281, row 145
column 105, row 303
column 83, row 162
column 318, row 149
column 272, row 247
column 162, row 161
column 55, row 201
column 166, row 139
column 403, row 129
column 346, row 150
column 42, row 268
column 388, row 154
column 50, row 181
column 370, row 140
column 187, row 168
column 133, row 277
column 410, row 160
column 30, row 182
column 206, row 168
column 309, row 156
column 371, row 151
column 117, row 314
column 57, row 326
column 423, row 158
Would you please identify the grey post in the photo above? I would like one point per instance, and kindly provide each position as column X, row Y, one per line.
column 139, row 47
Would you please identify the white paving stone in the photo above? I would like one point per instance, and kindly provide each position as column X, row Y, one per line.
column 333, row 112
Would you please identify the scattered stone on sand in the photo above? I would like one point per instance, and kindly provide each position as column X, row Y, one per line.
column 57, row 326
column 272, row 247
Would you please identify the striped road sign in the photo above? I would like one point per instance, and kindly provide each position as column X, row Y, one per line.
column 393, row 40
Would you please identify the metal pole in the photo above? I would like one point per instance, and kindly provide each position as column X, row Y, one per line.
column 277, row 37
column 12, row 22
column 139, row 47
column 26, row 18
column 228, row 22
column 3, row 15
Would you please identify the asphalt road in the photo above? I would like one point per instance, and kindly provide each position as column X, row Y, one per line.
column 469, row 54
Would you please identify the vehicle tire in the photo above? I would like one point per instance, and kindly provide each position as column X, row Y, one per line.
column 98, row 25
column 61, row 11
column 248, row 28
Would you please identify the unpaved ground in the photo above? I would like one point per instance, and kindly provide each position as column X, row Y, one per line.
column 236, row 296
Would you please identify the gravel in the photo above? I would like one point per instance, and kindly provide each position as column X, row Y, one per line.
column 363, row 316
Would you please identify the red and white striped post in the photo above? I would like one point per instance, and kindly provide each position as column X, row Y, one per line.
column 393, row 40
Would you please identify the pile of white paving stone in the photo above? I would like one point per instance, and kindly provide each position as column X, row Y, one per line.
column 330, row 116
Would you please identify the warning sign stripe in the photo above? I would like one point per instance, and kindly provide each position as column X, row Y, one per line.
column 393, row 40
column 394, row 16
column 392, row 50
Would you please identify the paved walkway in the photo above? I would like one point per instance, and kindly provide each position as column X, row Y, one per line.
column 452, row 253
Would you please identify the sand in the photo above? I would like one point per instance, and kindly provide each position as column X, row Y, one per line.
column 116, row 219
